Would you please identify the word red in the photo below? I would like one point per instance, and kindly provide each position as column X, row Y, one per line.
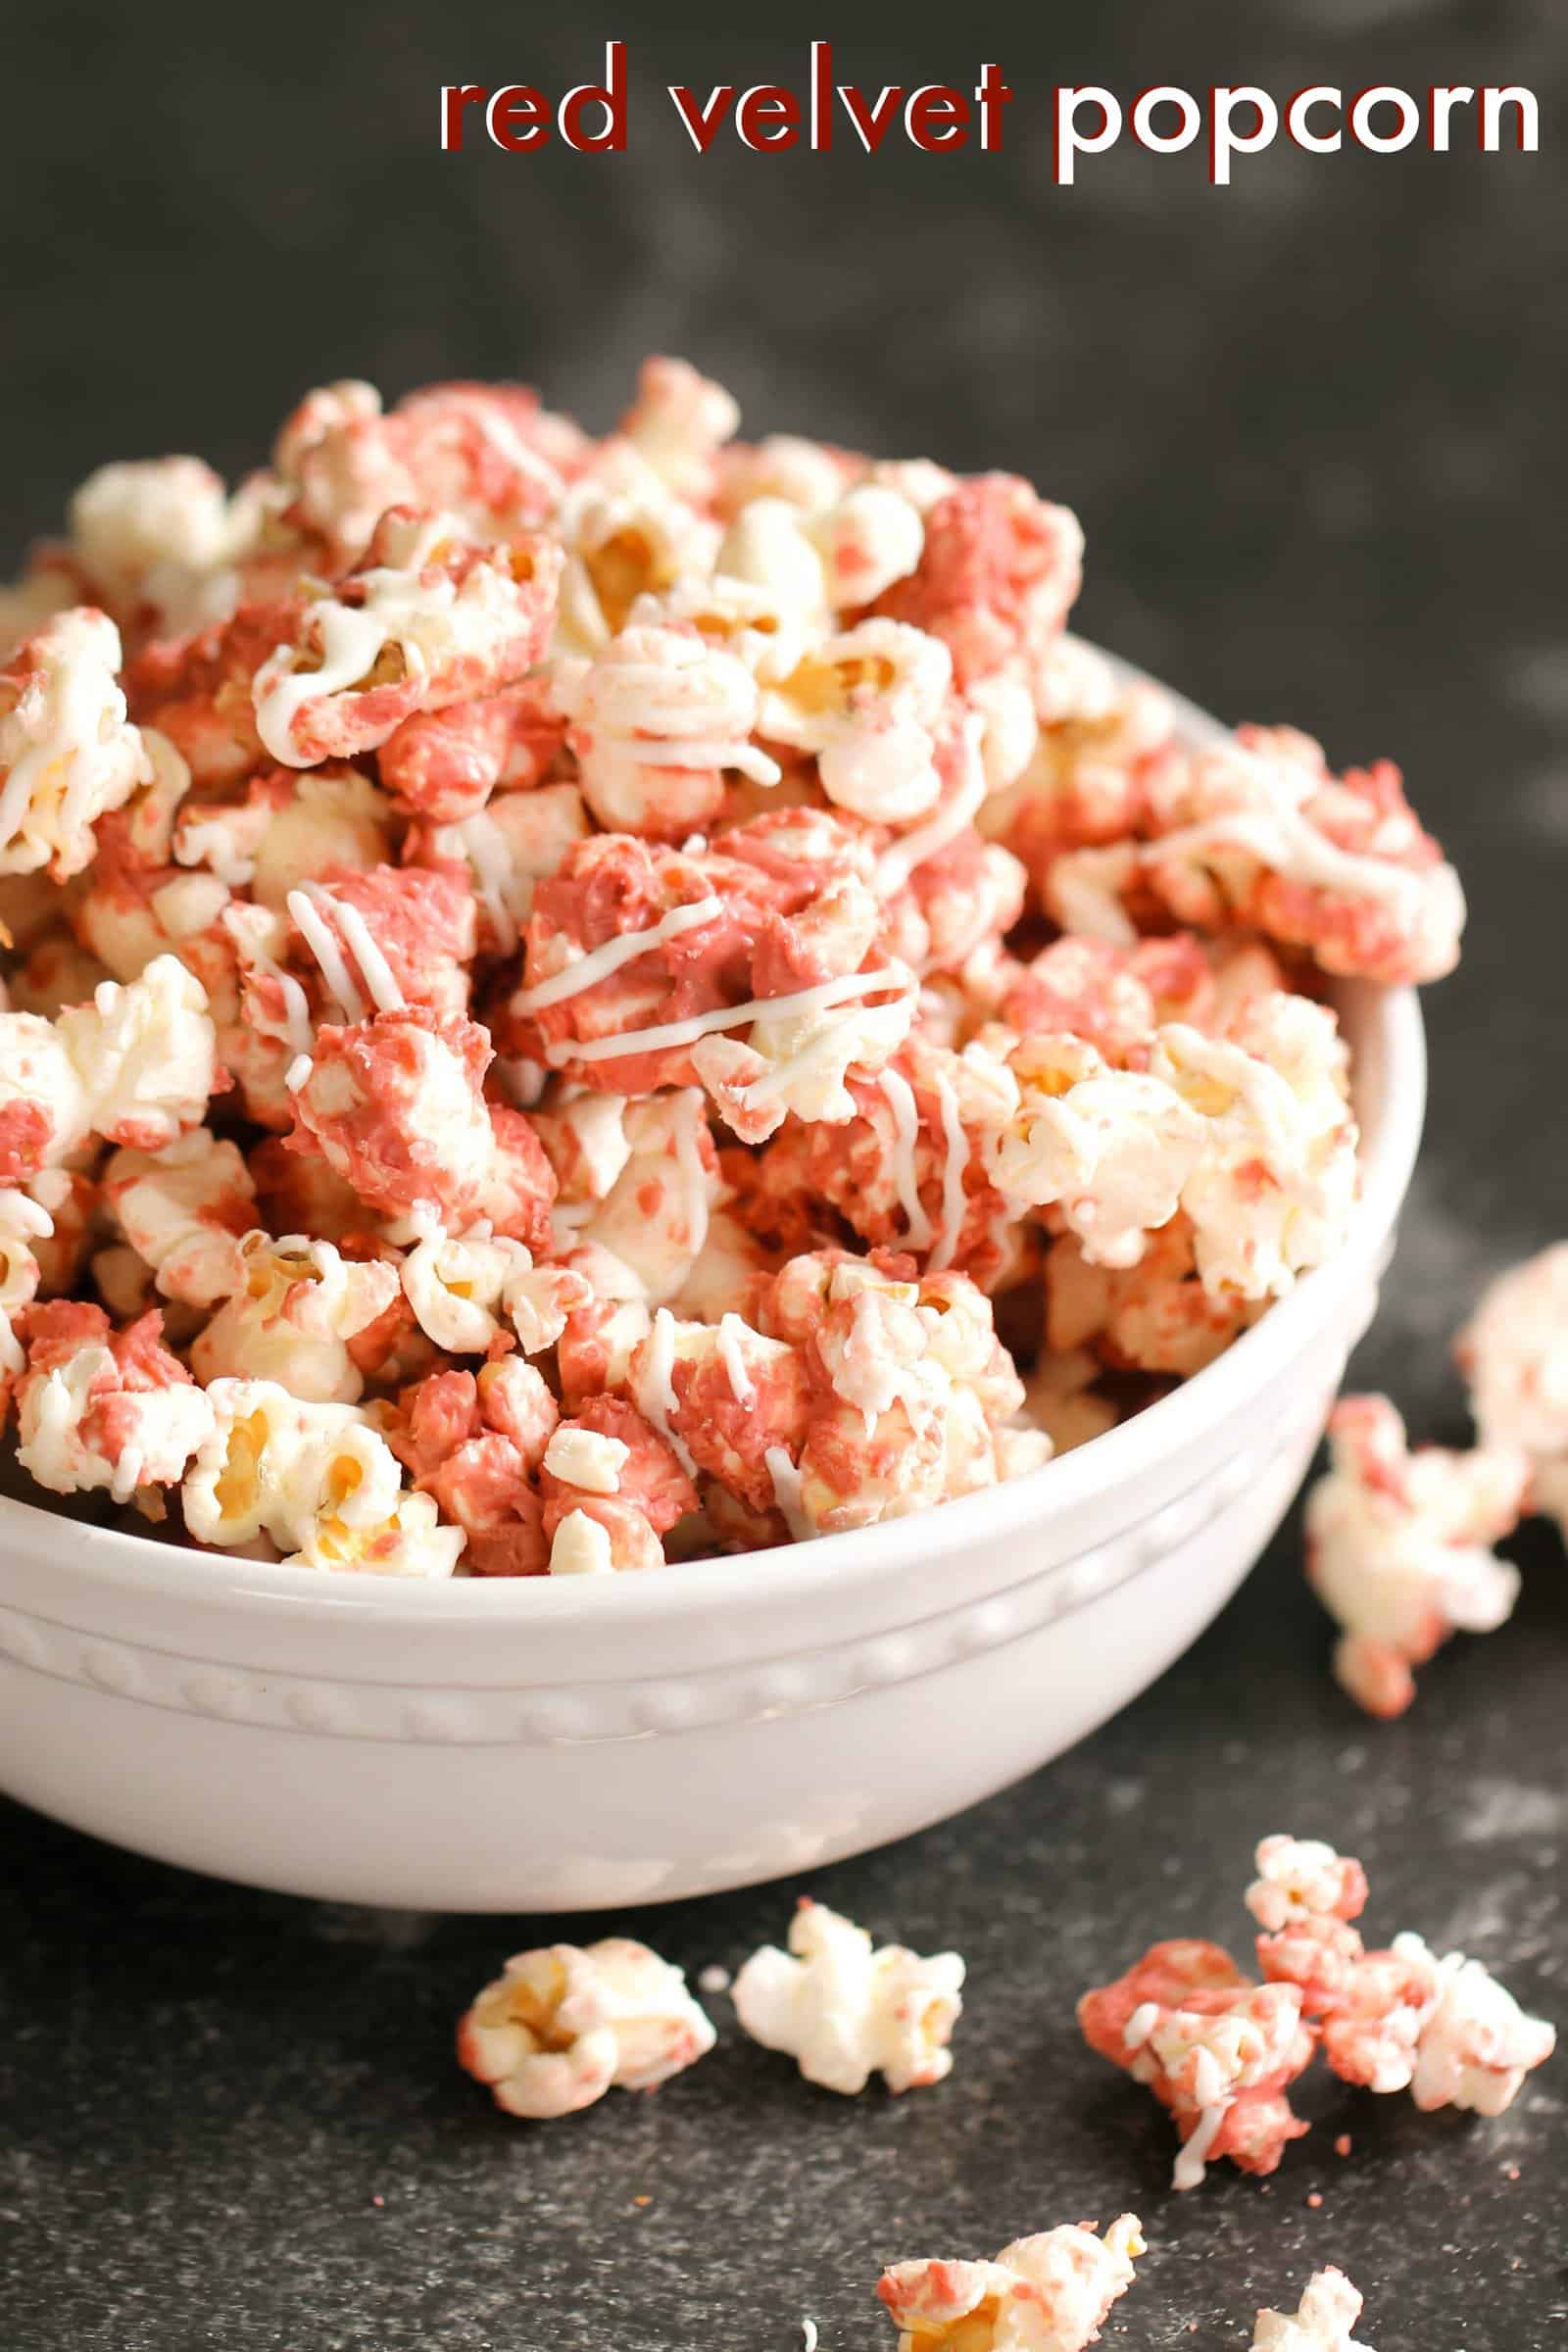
column 519, row 117
column 936, row 116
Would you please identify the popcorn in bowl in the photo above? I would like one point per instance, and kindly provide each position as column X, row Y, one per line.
column 638, row 996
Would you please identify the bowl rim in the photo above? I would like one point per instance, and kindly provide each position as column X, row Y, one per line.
column 1389, row 1057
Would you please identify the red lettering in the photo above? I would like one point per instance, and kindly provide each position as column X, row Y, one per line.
column 611, row 94
column 767, row 116
column 937, row 117
column 993, row 95
column 702, row 122
column 455, row 96
column 517, row 119
column 873, row 123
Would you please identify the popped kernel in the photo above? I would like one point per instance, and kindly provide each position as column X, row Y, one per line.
column 98, row 1407
column 1047, row 2294
column 1514, row 1355
column 564, row 2025
column 430, row 619
column 844, row 2010
column 1398, row 1546
column 68, row 753
column 1322, row 2322
column 1262, row 835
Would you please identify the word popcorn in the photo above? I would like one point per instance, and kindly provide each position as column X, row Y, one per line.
column 564, row 993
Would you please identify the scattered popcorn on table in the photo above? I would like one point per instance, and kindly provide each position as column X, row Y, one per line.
column 1514, row 1354
column 635, row 996
column 564, row 2025
column 1219, row 2051
column 1398, row 1546
column 846, row 2011
column 1049, row 2293
column 1329, row 2309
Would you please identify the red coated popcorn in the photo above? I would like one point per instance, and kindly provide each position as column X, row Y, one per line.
column 564, row 2025
column 431, row 621
column 1047, row 2294
column 1220, row 2051
column 637, row 997
column 1263, row 834
column 997, row 576
column 394, row 1105
column 845, row 2011
column 100, row 1407
column 1399, row 1547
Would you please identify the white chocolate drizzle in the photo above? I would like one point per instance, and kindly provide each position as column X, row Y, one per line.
column 600, row 961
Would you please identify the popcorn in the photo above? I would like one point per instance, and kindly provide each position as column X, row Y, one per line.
column 1047, row 2294
column 394, row 1105
column 1263, row 834
column 679, row 422
column 156, row 540
column 656, row 721
column 297, row 1306
column 1111, row 1149
column 866, row 705
column 433, row 621
column 1217, row 2050
column 845, row 2011
column 275, row 1464
column 486, row 452
column 1321, row 2323
column 626, row 537
column 1100, row 744
column 998, row 573
column 68, row 753
column 183, row 1210
column 1514, row 1354
column 24, row 1225
column 1477, row 2045
column 445, row 764
column 103, row 1408
column 1220, row 2051
column 1274, row 1184
column 564, row 2025
column 611, row 951
column 1398, row 1547
column 613, row 1485
column 410, row 1541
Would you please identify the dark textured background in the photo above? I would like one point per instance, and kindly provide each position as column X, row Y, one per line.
column 1313, row 425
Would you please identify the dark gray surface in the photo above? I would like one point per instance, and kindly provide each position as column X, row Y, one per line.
column 1313, row 427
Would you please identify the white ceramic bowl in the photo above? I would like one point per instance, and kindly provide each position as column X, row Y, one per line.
column 557, row 1745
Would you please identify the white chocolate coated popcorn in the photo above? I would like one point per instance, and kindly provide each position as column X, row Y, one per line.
column 182, row 1211
column 275, row 1463
column 1322, row 2322
column 1047, row 2294
column 297, row 1304
column 68, row 753
column 566, row 2023
column 1514, row 1354
column 1399, row 1547
column 845, row 2011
